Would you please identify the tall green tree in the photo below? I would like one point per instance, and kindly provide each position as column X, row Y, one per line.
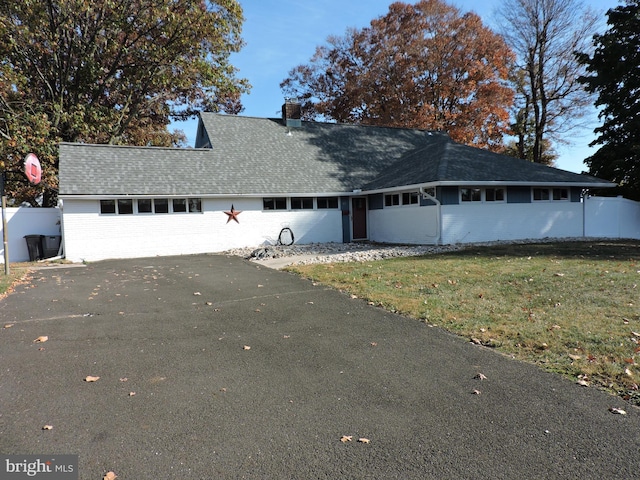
column 613, row 73
column 109, row 71
column 550, row 101
column 421, row 66
column 523, row 127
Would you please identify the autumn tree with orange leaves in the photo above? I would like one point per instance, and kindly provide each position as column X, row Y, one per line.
column 116, row 72
column 421, row 66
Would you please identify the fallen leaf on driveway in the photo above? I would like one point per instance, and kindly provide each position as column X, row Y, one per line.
column 41, row 339
column 8, row 325
column 48, row 427
column 197, row 293
column 91, row 378
column 617, row 411
column 476, row 392
column 110, row 476
column 246, row 347
column 480, row 376
column 584, row 383
column 346, row 438
column 364, row 440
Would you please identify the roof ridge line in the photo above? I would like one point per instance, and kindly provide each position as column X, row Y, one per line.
column 139, row 147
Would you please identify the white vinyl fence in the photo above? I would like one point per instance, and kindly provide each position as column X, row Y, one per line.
column 27, row 221
column 611, row 217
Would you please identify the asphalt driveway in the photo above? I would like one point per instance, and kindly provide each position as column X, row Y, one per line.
column 212, row 367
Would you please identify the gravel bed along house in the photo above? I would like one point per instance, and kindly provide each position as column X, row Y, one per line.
column 362, row 252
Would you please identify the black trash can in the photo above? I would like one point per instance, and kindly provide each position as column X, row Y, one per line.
column 50, row 245
column 34, row 244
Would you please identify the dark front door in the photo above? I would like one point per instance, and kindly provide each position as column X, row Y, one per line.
column 359, row 218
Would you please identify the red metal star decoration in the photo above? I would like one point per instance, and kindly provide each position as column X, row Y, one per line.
column 233, row 214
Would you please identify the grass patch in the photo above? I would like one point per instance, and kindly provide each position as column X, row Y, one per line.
column 17, row 273
column 572, row 308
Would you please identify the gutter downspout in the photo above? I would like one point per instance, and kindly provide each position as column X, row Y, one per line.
column 438, row 214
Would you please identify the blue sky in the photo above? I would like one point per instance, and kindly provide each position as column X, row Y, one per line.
column 281, row 34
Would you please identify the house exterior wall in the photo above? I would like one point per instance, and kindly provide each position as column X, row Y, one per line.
column 27, row 221
column 404, row 224
column 90, row 236
column 480, row 222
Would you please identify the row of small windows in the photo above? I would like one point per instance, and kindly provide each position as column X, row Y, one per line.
column 500, row 195
column 299, row 203
column 406, row 198
column 129, row 206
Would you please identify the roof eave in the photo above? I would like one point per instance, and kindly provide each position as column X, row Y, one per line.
column 453, row 183
column 84, row 196
column 449, row 183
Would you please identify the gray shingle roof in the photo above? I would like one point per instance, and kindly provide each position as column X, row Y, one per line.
column 120, row 170
column 453, row 163
column 260, row 156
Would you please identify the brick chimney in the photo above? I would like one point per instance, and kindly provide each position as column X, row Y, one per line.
column 292, row 112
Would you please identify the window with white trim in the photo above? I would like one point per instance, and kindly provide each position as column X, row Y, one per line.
column 391, row 199
column 125, row 206
column 404, row 198
column 301, row 203
column 550, row 194
column 108, row 207
column 145, row 205
column 561, row 194
column 161, row 205
column 195, row 205
column 179, row 205
column 327, row 202
column 471, row 194
column 410, row 198
column 274, row 203
column 492, row 194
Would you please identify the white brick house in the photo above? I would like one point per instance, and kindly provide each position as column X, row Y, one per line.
column 325, row 182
